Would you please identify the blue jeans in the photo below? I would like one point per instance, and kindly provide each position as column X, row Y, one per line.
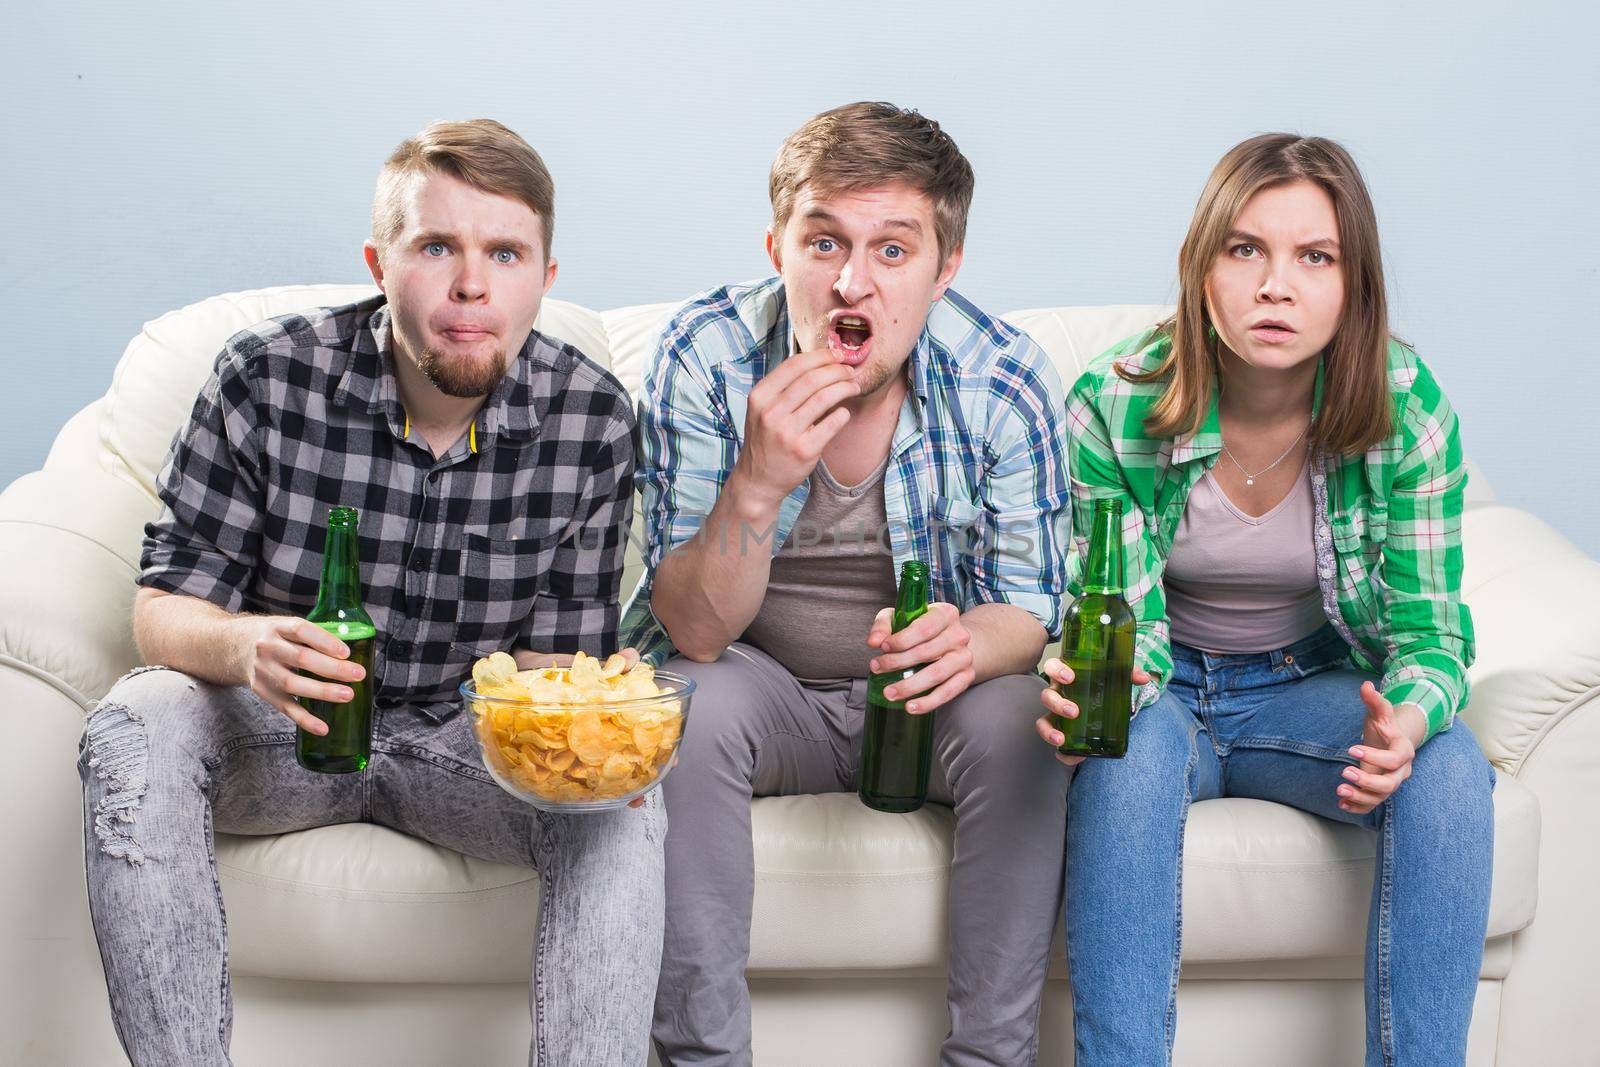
column 1274, row 726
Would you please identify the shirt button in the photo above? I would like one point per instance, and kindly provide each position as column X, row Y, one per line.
column 1326, row 572
column 399, row 649
column 433, row 476
column 418, row 564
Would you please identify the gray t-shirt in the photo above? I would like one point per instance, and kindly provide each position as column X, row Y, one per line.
column 829, row 580
column 1243, row 583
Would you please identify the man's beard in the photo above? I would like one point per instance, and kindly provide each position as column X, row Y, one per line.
column 872, row 376
column 462, row 377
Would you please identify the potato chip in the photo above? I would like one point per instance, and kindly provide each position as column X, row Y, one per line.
column 493, row 672
column 647, row 738
column 586, row 737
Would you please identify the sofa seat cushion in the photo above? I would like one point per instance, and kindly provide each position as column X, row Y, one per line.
column 839, row 888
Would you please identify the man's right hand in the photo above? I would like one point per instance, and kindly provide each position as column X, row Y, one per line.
column 793, row 413
column 272, row 649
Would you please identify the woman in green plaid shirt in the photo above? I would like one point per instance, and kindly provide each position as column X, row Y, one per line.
column 1291, row 481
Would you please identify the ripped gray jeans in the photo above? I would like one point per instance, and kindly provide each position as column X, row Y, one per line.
column 166, row 759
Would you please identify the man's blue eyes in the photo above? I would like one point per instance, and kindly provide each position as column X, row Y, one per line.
column 437, row 249
column 825, row 245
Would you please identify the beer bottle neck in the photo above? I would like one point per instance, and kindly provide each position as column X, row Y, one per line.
column 341, row 572
column 912, row 602
column 1103, row 572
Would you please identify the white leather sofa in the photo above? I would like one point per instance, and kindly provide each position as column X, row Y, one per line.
column 354, row 944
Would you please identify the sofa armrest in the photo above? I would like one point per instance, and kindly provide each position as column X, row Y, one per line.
column 1535, row 709
column 53, row 1007
column 1535, row 601
column 69, row 558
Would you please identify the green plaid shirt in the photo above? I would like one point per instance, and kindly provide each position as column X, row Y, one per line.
column 1387, row 531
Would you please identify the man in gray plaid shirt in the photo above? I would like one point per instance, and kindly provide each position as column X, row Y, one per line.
column 492, row 467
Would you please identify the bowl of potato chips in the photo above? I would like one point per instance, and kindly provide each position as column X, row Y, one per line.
column 591, row 736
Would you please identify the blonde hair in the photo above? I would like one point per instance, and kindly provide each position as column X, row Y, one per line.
column 481, row 152
column 865, row 145
column 1355, row 413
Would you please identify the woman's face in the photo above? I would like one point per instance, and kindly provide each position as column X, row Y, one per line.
column 1276, row 291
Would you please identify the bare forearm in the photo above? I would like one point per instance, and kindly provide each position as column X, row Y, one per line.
column 189, row 635
column 1005, row 640
column 708, row 590
column 1414, row 721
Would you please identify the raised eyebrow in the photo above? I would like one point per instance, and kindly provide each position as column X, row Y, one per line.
column 912, row 226
column 823, row 215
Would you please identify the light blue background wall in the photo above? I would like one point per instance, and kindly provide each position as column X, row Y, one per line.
column 156, row 157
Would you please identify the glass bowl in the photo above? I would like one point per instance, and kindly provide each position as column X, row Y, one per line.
column 594, row 756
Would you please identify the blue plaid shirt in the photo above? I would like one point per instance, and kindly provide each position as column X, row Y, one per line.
column 976, row 485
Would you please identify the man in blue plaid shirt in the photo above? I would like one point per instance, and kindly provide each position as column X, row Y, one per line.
column 800, row 438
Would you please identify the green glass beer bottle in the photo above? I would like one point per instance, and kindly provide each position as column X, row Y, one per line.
column 897, row 746
column 348, row 743
column 1097, row 643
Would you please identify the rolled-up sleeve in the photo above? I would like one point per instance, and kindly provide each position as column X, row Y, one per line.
column 1427, row 625
column 206, row 542
column 1025, row 493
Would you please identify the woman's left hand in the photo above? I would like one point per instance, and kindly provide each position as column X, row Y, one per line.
column 1390, row 737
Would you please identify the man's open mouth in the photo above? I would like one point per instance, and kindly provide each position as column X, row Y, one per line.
column 851, row 337
column 853, row 332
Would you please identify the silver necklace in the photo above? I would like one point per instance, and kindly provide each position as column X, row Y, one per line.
column 1250, row 479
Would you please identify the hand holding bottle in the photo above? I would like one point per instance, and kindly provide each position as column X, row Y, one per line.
column 938, row 643
column 272, row 650
column 1056, row 704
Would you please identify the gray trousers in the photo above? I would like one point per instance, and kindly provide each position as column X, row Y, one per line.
column 756, row 731
column 166, row 758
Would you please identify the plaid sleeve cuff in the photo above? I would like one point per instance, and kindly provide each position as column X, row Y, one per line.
column 1427, row 694
column 195, row 574
column 642, row 632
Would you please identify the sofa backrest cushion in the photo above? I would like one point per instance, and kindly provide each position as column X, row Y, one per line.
column 163, row 368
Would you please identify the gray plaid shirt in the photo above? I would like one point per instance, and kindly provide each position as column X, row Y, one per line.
column 517, row 541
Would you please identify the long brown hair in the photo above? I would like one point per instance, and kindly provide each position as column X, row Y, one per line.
column 1355, row 412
